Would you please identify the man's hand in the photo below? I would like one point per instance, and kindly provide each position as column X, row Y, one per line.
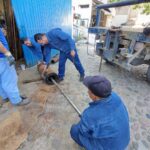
column 72, row 53
column 10, row 58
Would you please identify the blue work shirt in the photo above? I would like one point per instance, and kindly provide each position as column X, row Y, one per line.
column 36, row 49
column 59, row 40
column 104, row 125
column 4, row 42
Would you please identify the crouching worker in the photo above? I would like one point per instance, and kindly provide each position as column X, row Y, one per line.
column 104, row 125
column 8, row 77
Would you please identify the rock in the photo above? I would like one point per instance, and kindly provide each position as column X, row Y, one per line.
column 148, row 116
column 134, row 146
column 147, row 98
column 138, row 103
column 148, row 138
column 145, row 144
column 138, row 110
column 135, row 126
column 132, row 119
column 137, row 136
column 143, row 133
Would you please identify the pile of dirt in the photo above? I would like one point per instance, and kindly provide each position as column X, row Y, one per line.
column 14, row 129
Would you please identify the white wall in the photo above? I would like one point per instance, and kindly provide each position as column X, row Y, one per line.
column 84, row 12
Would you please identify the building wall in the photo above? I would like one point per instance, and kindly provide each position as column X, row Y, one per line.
column 85, row 13
column 128, row 16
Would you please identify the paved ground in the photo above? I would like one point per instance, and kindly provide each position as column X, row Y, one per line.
column 51, row 131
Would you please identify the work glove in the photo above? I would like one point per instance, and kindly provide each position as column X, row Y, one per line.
column 10, row 58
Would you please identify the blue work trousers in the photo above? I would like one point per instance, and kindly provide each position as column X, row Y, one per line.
column 8, row 82
column 75, row 60
column 74, row 132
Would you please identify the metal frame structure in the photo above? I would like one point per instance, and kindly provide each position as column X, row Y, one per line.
column 109, row 49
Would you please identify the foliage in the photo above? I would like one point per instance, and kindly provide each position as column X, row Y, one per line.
column 113, row 1
column 145, row 7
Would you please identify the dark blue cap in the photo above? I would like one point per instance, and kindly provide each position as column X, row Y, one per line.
column 98, row 85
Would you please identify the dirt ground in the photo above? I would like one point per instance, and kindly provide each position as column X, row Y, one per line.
column 51, row 128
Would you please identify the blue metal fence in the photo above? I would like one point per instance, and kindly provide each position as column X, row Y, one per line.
column 34, row 16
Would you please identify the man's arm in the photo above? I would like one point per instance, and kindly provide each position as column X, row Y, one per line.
column 7, row 53
column 47, row 54
column 3, row 49
column 38, row 52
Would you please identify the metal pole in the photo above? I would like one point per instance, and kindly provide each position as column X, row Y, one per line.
column 67, row 98
column 100, row 65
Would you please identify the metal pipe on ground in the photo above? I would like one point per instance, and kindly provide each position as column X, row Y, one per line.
column 50, row 77
column 67, row 98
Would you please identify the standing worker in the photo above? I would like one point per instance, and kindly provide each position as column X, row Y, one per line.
column 8, row 77
column 104, row 125
column 63, row 42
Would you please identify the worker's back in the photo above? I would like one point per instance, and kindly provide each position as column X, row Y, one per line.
column 60, row 40
column 107, row 123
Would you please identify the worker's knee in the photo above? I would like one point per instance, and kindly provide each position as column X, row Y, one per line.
column 74, row 132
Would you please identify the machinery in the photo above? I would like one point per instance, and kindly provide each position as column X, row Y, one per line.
column 130, row 49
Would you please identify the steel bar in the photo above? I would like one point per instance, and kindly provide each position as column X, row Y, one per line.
column 67, row 98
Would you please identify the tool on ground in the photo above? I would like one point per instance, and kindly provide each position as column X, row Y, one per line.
column 50, row 77
column 32, row 80
column 67, row 98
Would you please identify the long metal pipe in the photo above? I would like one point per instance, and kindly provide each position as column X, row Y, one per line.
column 67, row 98
column 122, row 3
column 50, row 77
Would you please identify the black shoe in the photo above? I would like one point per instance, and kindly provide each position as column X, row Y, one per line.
column 23, row 102
column 23, row 96
column 60, row 80
column 81, row 78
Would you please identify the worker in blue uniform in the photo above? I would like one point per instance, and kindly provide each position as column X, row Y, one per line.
column 104, row 125
column 8, row 77
column 35, row 48
column 63, row 42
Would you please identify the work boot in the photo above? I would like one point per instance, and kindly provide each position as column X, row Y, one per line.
column 23, row 96
column 81, row 78
column 23, row 102
column 60, row 80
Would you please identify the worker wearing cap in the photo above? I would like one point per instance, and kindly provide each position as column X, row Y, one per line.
column 8, row 77
column 63, row 42
column 104, row 125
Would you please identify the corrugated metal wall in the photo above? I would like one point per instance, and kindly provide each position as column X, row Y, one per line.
column 34, row 16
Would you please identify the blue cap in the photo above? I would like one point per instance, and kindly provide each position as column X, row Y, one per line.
column 98, row 85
